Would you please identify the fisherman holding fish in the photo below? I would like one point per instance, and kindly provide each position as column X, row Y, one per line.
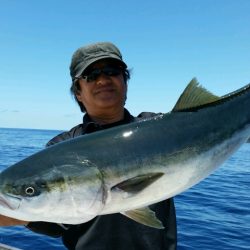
column 99, row 85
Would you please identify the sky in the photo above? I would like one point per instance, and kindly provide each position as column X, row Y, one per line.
column 164, row 43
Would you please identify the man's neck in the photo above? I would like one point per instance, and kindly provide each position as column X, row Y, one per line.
column 107, row 118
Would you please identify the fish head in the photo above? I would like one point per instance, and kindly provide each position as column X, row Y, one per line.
column 63, row 194
column 22, row 196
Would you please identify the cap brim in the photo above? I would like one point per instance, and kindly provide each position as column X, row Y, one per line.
column 85, row 66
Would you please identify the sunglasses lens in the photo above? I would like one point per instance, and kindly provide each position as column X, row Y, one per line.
column 112, row 71
column 95, row 73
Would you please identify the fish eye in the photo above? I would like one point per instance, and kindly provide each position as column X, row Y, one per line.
column 30, row 191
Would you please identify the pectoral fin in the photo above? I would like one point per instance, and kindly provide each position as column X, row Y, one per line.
column 144, row 216
column 137, row 183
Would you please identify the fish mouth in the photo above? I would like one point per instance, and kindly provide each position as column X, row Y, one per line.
column 9, row 201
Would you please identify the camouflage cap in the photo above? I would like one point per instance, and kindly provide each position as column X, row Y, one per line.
column 89, row 54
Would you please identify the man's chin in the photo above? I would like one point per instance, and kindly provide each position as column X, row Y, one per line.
column 107, row 97
column 106, row 103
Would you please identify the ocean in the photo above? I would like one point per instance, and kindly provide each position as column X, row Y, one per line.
column 213, row 215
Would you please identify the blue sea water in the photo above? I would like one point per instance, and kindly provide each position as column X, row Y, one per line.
column 213, row 215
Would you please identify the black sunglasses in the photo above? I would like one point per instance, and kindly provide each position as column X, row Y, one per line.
column 92, row 75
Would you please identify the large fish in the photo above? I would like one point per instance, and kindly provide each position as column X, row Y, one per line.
column 126, row 168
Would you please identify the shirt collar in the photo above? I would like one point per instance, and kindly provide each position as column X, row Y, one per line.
column 90, row 126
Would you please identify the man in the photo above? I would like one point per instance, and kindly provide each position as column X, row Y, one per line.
column 99, row 85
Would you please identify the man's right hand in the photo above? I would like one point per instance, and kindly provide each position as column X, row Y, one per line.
column 7, row 221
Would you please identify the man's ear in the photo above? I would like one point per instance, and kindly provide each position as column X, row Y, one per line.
column 78, row 96
column 77, row 92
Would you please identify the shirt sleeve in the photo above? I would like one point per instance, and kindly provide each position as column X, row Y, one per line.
column 47, row 228
column 74, row 132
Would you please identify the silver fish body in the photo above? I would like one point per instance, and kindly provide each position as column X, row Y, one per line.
column 131, row 166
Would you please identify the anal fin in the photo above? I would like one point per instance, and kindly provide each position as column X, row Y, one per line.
column 144, row 216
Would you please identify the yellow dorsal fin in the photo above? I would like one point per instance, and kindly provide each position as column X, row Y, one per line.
column 194, row 95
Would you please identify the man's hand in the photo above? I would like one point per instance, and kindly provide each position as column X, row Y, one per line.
column 7, row 221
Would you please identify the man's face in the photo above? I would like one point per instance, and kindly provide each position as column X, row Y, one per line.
column 106, row 92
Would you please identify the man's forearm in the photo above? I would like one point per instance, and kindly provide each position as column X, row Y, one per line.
column 7, row 221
